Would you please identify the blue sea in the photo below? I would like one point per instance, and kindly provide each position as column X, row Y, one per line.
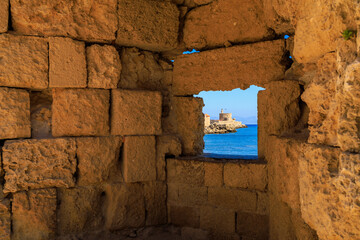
column 239, row 145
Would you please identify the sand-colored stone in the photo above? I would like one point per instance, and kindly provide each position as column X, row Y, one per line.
column 165, row 145
column 148, row 24
column 34, row 214
column 217, row 219
column 225, row 21
column 185, row 171
column 249, row 176
column 155, row 203
column 192, row 195
column 172, row 193
column 14, row 113
column 80, row 112
column 103, row 66
column 4, row 13
column 5, row 220
column 194, row 233
column 141, row 70
column 40, row 113
column 235, row 199
column 97, row 158
column 135, row 112
column 184, row 216
column 239, row 68
column 139, row 159
column 67, row 63
column 24, row 62
column 30, row 164
column 189, row 123
column 213, row 174
column 125, row 206
column 262, row 203
column 80, row 210
column 94, row 21
column 253, row 226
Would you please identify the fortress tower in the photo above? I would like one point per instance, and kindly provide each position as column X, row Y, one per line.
column 225, row 116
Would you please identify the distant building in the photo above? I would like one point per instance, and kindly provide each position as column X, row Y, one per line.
column 207, row 120
column 225, row 116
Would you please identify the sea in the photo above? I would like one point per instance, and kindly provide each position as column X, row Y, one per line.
column 241, row 144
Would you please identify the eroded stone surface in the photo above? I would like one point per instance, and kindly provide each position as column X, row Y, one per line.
column 103, row 66
column 90, row 21
column 155, row 203
column 183, row 171
column 5, row 219
column 239, row 68
column 24, row 62
column 40, row 114
column 34, row 214
column 217, row 220
column 4, row 13
column 213, row 174
column 225, row 21
column 67, row 63
column 30, row 164
column 135, row 112
column 14, row 113
column 139, row 159
column 148, row 24
column 80, row 112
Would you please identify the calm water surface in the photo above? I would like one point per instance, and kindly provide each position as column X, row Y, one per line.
column 241, row 144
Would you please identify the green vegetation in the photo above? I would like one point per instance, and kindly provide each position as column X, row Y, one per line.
column 348, row 34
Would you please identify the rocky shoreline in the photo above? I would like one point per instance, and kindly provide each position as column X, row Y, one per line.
column 216, row 128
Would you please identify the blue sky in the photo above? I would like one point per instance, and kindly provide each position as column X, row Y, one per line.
column 241, row 103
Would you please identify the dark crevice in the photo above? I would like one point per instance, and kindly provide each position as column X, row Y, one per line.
column 286, row 60
column 76, row 174
column 10, row 26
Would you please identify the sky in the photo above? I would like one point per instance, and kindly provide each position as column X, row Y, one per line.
column 241, row 103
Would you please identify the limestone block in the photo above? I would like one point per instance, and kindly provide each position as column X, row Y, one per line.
column 139, row 159
column 213, row 174
column 93, row 21
column 217, row 220
column 135, row 112
column 79, row 112
column 5, row 220
column 173, row 193
column 141, row 70
column 4, row 13
column 165, row 145
column 155, row 203
column 192, row 195
column 239, row 68
column 24, row 62
column 225, row 21
column 185, row 171
column 14, row 113
column 184, row 216
column 67, row 63
column 80, row 209
column 252, row 225
column 34, row 214
column 97, row 158
column 189, row 121
column 148, row 24
column 125, row 206
column 103, row 66
column 249, row 176
column 235, row 199
column 262, row 203
column 40, row 113
column 30, row 164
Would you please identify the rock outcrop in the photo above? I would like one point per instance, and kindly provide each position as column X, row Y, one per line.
column 217, row 128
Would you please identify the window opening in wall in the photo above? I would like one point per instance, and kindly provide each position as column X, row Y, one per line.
column 230, row 121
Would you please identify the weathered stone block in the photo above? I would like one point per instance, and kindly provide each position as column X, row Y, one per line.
column 79, row 112
column 262, row 203
column 253, row 226
column 135, row 112
column 189, row 121
column 125, row 206
column 194, row 233
column 213, row 174
column 184, row 216
column 80, row 209
column 217, row 219
column 24, row 62
column 67, row 63
column 239, row 68
column 139, row 159
column 5, row 220
column 185, row 171
column 148, row 24
column 103, row 66
column 225, row 21
column 172, row 193
column 94, row 21
column 249, row 176
column 97, row 158
column 192, row 195
column 4, row 13
column 30, row 164
column 34, row 214
column 14, row 113
column 40, row 113
column 155, row 203
column 235, row 199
